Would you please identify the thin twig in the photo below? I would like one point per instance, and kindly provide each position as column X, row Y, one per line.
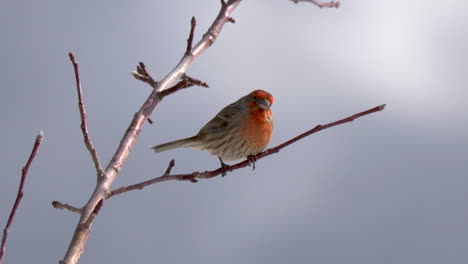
column 19, row 196
column 84, row 126
column 62, row 206
column 193, row 23
column 142, row 74
column 210, row 174
column 320, row 4
column 194, row 81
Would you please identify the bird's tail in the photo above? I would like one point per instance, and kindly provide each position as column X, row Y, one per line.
column 191, row 142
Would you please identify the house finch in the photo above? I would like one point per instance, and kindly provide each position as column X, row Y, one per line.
column 240, row 130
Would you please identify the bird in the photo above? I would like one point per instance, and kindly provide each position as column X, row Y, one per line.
column 240, row 130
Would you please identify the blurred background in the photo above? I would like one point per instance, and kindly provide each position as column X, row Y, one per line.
column 387, row 188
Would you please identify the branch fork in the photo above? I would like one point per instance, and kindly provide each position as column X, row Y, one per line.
column 185, row 81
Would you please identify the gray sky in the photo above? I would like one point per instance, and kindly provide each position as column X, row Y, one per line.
column 387, row 188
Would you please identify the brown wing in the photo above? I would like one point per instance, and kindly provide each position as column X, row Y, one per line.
column 221, row 120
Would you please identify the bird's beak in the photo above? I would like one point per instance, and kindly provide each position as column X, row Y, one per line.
column 263, row 104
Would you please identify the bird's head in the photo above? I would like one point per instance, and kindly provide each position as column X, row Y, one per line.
column 259, row 99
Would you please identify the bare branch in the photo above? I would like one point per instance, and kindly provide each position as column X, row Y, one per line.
column 81, row 233
column 210, row 174
column 193, row 23
column 141, row 185
column 321, row 127
column 61, row 206
column 320, row 4
column 84, row 126
column 19, row 196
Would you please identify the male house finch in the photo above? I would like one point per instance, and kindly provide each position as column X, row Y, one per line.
column 240, row 130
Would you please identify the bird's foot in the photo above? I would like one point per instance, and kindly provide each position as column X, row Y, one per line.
column 252, row 159
column 224, row 168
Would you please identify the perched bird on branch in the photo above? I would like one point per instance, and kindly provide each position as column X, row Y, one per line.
column 240, row 130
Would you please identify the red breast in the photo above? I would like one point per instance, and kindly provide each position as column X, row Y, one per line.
column 257, row 127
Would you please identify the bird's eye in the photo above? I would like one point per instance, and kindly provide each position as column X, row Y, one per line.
column 255, row 97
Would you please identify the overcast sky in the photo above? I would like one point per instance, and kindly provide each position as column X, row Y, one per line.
column 386, row 188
